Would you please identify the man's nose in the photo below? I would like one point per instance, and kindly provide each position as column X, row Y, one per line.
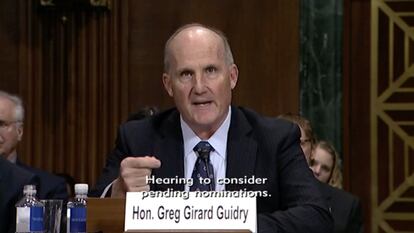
column 198, row 84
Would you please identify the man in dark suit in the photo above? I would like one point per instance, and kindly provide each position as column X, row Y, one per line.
column 12, row 181
column 50, row 186
column 200, row 75
column 11, row 132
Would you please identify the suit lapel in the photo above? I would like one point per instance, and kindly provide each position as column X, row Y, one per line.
column 241, row 149
column 170, row 150
column 3, row 168
column 326, row 191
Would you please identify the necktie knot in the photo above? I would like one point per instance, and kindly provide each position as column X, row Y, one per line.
column 203, row 149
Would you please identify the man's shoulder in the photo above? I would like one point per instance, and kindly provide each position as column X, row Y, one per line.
column 261, row 122
column 44, row 176
column 51, row 186
column 344, row 195
column 12, row 178
column 16, row 175
column 340, row 195
column 270, row 133
column 153, row 123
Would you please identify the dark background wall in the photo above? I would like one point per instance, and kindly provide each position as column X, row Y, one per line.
column 379, row 111
column 80, row 73
column 356, row 103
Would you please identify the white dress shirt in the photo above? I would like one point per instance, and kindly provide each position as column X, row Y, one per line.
column 217, row 157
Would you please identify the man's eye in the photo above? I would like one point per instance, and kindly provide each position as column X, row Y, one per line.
column 2, row 123
column 211, row 69
column 186, row 75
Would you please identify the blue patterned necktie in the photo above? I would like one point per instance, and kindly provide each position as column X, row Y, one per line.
column 203, row 168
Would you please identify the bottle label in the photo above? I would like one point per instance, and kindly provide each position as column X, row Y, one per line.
column 78, row 219
column 29, row 219
column 36, row 218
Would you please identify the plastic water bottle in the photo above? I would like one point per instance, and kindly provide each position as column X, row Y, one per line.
column 76, row 211
column 29, row 212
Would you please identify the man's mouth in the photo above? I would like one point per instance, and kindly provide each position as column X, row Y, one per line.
column 202, row 103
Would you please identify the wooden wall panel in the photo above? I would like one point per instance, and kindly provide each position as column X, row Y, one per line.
column 9, row 45
column 264, row 36
column 73, row 86
column 392, row 116
column 378, row 58
column 81, row 75
column 357, row 170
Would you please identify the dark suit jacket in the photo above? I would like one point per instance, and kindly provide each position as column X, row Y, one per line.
column 345, row 208
column 50, row 186
column 256, row 145
column 12, row 181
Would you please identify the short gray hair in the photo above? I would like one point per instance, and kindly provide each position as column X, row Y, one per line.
column 18, row 109
column 228, row 55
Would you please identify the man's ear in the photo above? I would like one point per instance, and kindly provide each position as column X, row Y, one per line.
column 166, row 79
column 19, row 131
column 234, row 75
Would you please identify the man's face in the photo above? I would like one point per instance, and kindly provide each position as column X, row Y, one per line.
column 322, row 164
column 10, row 131
column 199, row 79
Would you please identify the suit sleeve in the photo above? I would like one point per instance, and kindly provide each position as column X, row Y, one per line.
column 303, row 208
column 111, row 170
column 58, row 191
column 12, row 182
column 355, row 224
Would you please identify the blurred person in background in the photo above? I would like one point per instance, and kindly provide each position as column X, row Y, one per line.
column 326, row 164
column 345, row 208
column 11, row 133
column 307, row 137
column 12, row 181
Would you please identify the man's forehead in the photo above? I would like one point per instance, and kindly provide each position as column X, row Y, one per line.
column 192, row 44
column 6, row 108
column 195, row 34
column 195, row 30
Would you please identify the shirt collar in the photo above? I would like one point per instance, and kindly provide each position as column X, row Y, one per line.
column 218, row 140
column 12, row 158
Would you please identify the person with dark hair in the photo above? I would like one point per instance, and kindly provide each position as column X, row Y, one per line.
column 206, row 131
column 307, row 137
column 345, row 208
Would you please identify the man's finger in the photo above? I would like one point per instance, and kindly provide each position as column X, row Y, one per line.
column 141, row 162
column 139, row 189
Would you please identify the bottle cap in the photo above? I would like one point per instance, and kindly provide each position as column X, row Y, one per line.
column 81, row 188
column 29, row 189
